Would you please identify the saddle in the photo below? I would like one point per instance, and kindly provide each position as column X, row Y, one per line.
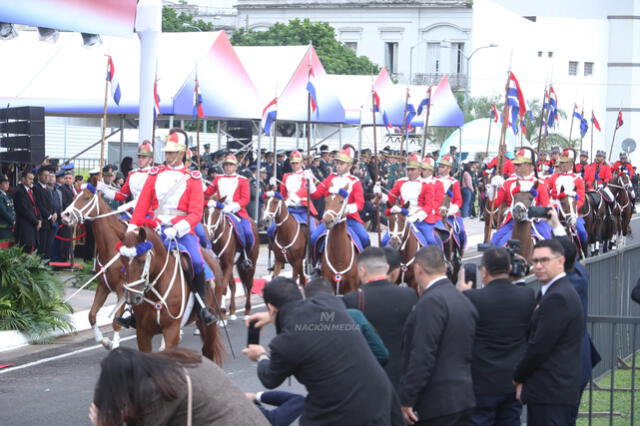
column 187, row 264
column 595, row 197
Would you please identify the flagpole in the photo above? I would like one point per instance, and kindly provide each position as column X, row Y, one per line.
column 155, row 116
column 615, row 129
column 591, row 151
column 104, row 122
column 571, row 128
column 542, row 119
column 426, row 127
column 198, row 106
column 308, row 251
column 581, row 136
column 375, row 161
column 503, row 134
column 404, row 122
column 486, row 151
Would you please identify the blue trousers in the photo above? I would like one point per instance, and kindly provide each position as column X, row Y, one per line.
column 300, row 214
column 582, row 231
column 202, row 236
column 458, row 224
column 352, row 224
column 289, row 407
column 191, row 243
column 427, row 231
column 467, row 196
column 503, row 234
column 496, row 410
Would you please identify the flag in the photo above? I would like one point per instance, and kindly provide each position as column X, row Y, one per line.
column 387, row 123
column 584, row 125
column 494, row 113
column 156, row 98
column 553, row 107
column 409, row 113
column 311, row 88
column 376, row 101
column 269, row 115
column 425, row 101
column 197, row 101
column 619, row 122
column 515, row 101
column 113, row 81
column 594, row 121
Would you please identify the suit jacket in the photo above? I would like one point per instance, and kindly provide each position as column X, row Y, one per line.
column 67, row 195
column 387, row 307
column 44, row 202
column 26, row 218
column 550, row 368
column 504, row 313
column 437, row 347
column 321, row 346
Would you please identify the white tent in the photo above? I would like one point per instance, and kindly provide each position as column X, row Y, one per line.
column 474, row 138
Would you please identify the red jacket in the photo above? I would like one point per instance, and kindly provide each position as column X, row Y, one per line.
column 626, row 165
column 355, row 203
column 132, row 185
column 438, row 197
column 234, row 186
column 507, row 165
column 597, row 173
column 451, row 184
column 505, row 193
column 578, row 184
column 418, row 193
column 180, row 190
column 293, row 180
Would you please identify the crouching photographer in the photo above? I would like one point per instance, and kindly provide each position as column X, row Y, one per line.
column 319, row 344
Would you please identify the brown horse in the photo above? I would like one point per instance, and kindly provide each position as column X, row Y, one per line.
column 489, row 193
column 623, row 209
column 567, row 207
column 522, row 225
column 225, row 245
column 452, row 251
column 402, row 239
column 289, row 243
column 108, row 229
column 157, row 287
column 594, row 211
column 338, row 264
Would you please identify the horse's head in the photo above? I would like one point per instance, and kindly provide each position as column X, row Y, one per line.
column 138, row 254
column 398, row 224
column 86, row 204
column 567, row 200
column 446, row 202
column 274, row 204
column 213, row 215
column 335, row 206
column 523, row 196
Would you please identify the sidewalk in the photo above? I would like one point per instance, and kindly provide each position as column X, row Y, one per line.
column 81, row 303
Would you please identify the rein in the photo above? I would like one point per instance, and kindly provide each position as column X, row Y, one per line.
column 213, row 230
column 339, row 216
column 274, row 215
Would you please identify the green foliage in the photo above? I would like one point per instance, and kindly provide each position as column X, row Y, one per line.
column 172, row 22
column 335, row 56
column 30, row 296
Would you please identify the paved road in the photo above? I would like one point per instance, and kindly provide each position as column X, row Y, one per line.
column 55, row 384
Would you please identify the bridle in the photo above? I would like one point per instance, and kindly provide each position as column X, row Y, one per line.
column 80, row 215
column 338, row 216
column 221, row 224
column 402, row 236
column 272, row 215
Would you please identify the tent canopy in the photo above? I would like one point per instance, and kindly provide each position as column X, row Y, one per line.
column 474, row 138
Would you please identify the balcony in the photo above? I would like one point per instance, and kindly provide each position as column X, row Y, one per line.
column 458, row 82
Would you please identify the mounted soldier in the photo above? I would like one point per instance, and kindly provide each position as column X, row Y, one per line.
column 451, row 187
column 597, row 175
column 584, row 162
column 624, row 166
column 544, row 164
column 507, row 164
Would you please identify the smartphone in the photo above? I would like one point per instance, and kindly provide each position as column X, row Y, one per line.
column 253, row 334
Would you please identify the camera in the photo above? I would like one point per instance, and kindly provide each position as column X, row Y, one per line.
column 538, row 212
column 519, row 265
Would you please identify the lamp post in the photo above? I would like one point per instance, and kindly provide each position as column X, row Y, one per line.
column 447, row 44
column 191, row 26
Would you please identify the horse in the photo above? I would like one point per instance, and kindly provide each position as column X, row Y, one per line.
column 225, row 245
column 402, row 239
column 522, row 225
column 498, row 212
column 338, row 264
column 568, row 211
column 157, row 288
column 623, row 209
column 289, row 242
column 108, row 230
column 594, row 212
column 452, row 251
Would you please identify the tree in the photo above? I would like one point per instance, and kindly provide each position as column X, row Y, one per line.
column 172, row 22
column 335, row 56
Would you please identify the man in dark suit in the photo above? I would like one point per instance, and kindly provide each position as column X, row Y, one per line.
column 28, row 221
column 436, row 386
column 44, row 202
column 547, row 377
column 386, row 306
column 504, row 312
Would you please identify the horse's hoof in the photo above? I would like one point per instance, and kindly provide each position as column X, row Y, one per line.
column 246, row 317
column 196, row 332
column 106, row 342
column 222, row 323
column 232, row 317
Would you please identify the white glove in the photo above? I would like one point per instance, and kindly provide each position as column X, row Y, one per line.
column 293, row 199
column 377, row 189
column 106, row 190
column 453, row 209
column 418, row 216
column 270, row 194
column 231, row 208
column 126, row 206
column 132, row 228
column 497, row 180
column 211, row 204
column 351, row 208
column 384, row 198
column 308, row 174
column 273, row 181
column 171, row 233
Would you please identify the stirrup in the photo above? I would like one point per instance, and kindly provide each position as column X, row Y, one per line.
column 206, row 317
column 127, row 321
column 246, row 263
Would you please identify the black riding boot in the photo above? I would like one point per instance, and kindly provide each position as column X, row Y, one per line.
column 246, row 262
column 127, row 320
column 199, row 284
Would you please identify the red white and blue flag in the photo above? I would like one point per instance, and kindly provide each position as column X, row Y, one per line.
column 311, row 88
column 494, row 113
column 594, row 121
column 425, row 101
column 156, row 98
column 553, row 107
column 269, row 115
column 515, row 101
column 197, row 101
column 619, row 121
column 376, row 101
column 376, row 108
column 113, row 81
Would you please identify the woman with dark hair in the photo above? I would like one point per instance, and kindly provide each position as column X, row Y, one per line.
column 174, row 387
column 126, row 165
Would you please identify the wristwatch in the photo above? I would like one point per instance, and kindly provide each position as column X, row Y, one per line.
column 263, row 356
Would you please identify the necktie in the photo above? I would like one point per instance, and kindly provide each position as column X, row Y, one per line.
column 538, row 296
column 33, row 200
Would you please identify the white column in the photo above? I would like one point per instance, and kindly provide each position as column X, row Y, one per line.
column 148, row 28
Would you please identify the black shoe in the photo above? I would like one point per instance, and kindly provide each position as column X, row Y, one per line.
column 126, row 320
column 206, row 317
column 199, row 284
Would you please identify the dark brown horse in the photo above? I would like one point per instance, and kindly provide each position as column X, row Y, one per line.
column 567, row 207
column 158, row 288
column 338, row 263
column 594, row 211
column 404, row 240
column 453, row 252
column 522, row 225
column 489, row 193
column 108, row 229
column 225, row 245
column 289, row 243
column 623, row 209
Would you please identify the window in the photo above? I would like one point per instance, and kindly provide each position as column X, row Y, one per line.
column 539, row 53
column 550, row 54
column 573, row 68
column 588, row 69
column 433, row 58
column 457, row 49
column 353, row 45
column 391, row 57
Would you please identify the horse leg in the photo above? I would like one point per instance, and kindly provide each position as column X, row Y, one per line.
column 278, row 264
column 98, row 302
column 144, row 339
column 228, row 277
column 246, row 276
column 171, row 334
